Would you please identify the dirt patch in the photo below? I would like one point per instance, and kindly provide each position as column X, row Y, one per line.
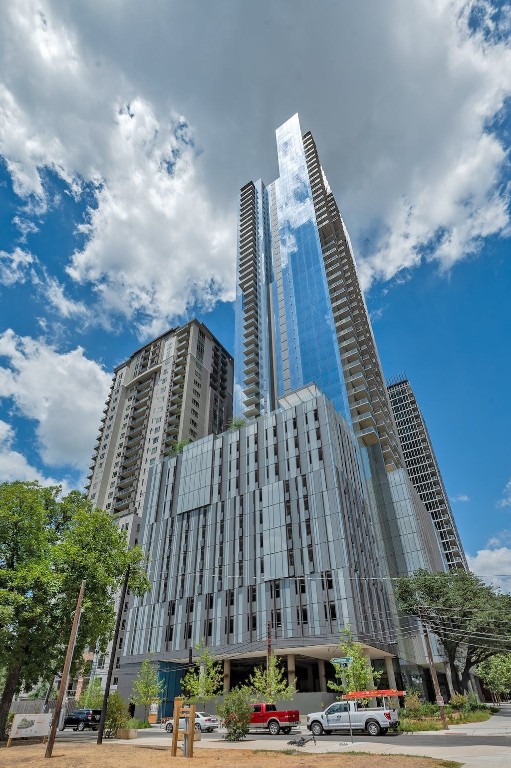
column 121, row 756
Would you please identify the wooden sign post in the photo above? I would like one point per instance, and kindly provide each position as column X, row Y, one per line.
column 186, row 713
column 178, row 702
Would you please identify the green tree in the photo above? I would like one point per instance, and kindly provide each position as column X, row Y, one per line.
column 204, row 681
column 177, row 447
column 40, row 691
column 236, row 422
column 495, row 673
column 358, row 675
column 269, row 683
column 92, row 696
column 471, row 619
column 236, row 712
column 48, row 544
column 147, row 688
column 117, row 714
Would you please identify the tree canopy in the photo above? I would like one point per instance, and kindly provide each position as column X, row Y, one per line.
column 204, row 681
column 495, row 673
column 147, row 687
column 48, row 545
column 471, row 619
column 269, row 683
column 358, row 675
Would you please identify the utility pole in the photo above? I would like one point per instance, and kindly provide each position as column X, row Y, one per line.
column 112, row 656
column 268, row 646
column 65, row 672
column 439, row 697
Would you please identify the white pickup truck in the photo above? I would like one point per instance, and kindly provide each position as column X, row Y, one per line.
column 336, row 717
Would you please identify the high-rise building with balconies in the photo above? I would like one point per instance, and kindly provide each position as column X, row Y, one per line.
column 301, row 318
column 300, row 311
column 423, row 469
column 175, row 389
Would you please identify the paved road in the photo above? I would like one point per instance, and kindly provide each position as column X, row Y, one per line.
column 452, row 739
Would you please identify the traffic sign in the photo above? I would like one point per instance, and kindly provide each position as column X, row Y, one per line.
column 343, row 660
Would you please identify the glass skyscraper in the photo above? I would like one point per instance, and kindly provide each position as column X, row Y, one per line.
column 301, row 318
column 300, row 312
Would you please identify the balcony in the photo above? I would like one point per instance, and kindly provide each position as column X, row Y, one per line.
column 369, row 436
column 364, row 420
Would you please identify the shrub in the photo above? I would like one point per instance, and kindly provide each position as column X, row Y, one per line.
column 473, row 703
column 420, row 725
column 428, row 710
column 134, row 722
column 458, row 701
column 236, row 712
column 412, row 704
column 117, row 714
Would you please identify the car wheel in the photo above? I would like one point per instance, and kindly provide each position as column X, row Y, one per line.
column 274, row 727
column 80, row 727
column 62, row 727
column 316, row 728
column 169, row 728
column 373, row 728
column 210, row 730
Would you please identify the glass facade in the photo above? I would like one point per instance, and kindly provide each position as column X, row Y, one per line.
column 297, row 339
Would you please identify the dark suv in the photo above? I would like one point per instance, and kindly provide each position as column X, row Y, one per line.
column 80, row 719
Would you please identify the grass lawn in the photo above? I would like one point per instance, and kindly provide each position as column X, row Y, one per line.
column 410, row 725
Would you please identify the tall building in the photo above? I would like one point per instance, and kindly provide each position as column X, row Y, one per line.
column 423, row 469
column 302, row 517
column 301, row 318
column 177, row 387
column 266, row 527
column 300, row 312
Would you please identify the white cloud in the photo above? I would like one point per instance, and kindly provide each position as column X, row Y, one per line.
column 14, row 466
column 505, row 501
column 403, row 121
column 54, row 293
column 63, row 393
column 154, row 241
column 503, row 538
column 493, row 565
column 14, row 266
column 461, row 498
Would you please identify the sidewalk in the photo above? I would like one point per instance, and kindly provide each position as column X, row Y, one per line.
column 472, row 756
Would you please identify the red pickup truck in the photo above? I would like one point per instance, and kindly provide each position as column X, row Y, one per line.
column 268, row 717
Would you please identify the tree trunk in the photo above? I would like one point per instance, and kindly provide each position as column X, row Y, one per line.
column 465, row 678
column 455, row 678
column 11, row 684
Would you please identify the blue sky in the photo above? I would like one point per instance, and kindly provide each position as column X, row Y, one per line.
column 124, row 138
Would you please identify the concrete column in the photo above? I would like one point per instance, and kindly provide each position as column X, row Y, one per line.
column 322, row 676
column 389, row 666
column 291, row 669
column 227, row 675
